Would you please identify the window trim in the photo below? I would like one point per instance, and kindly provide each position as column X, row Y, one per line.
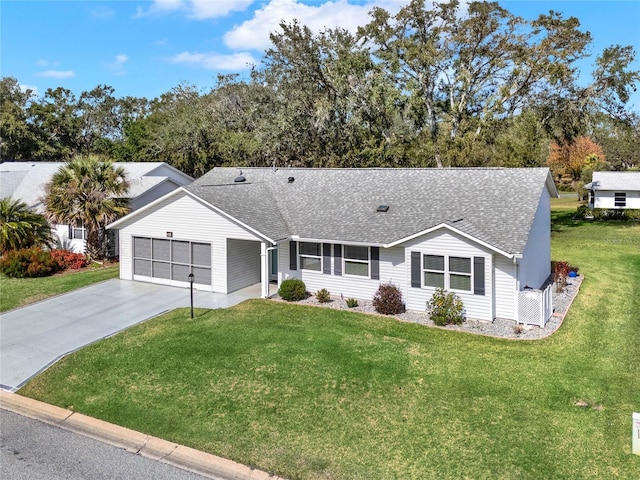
column 346, row 260
column 447, row 272
column 79, row 226
column 304, row 255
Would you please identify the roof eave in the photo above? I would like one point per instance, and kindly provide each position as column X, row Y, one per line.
column 455, row 230
column 126, row 218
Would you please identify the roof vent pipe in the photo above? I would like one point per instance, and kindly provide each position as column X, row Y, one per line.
column 291, row 179
column 240, row 178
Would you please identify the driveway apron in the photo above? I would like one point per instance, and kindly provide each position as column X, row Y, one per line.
column 36, row 336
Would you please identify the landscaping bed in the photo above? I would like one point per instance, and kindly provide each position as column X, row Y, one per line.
column 500, row 327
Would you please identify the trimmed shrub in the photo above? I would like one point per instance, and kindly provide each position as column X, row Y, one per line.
column 69, row 260
column 445, row 308
column 323, row 296
column 28, row 263
column 292, row 290
column 583, row 212
column 352, row 302
column 388, row 299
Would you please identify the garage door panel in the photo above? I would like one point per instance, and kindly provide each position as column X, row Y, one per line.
column 201, row 254
column 141, row 247
column 180, row 252
column 161, row 249
column 142, row 267
column 180, row 272
column 161, row 270
column 202, row 275
column 172, row 260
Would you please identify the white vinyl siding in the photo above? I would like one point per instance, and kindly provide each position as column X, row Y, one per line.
column 505, row 287
column 607, row 199
column 187, row 219
column 243, row 264
column 447, row 244
column 392, row 270
column 535, row 264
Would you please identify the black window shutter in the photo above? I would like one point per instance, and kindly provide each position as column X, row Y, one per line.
column 293, row 255
column 70, row 234
column 375, row 263
column 326, row 258
column 337, row 259
column 478, row 275
column 415, row 270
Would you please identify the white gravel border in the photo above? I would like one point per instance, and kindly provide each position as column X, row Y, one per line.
column 500, row 328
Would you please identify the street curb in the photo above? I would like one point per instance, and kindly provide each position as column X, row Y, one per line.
column 186, row 458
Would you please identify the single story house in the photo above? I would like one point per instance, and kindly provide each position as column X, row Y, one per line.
column 483, row 233
column 614, row 190
column 148, row 181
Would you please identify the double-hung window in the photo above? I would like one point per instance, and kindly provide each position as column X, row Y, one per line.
column 450, row 273
column 356, row 260
column 310, row 256
column 77, row 231
column 620, row 199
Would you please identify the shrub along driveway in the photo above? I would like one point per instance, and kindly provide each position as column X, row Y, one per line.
column 35, row 336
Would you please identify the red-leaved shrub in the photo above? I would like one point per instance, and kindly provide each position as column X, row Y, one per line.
column 388, row 299
column 28, row 262
column 69, row 260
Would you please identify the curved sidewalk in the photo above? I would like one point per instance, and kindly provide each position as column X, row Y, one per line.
column 138, row 443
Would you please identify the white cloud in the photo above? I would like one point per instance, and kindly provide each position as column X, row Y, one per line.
column 215, row 61
column 117, row 66
column 197, row 9
column 34, row 90
column 56, row 73
column 160, row 7
column 46, row 63
column 254, row 33
column 202, row 9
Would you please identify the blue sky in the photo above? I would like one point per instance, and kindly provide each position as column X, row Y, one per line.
column 145, row 48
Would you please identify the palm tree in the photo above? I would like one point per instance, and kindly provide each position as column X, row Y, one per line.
column 91, row 192
column 22, row 228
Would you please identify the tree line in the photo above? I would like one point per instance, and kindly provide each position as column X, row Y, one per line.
column 425, row 87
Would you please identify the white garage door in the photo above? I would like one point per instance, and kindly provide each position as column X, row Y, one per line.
column 170, row 261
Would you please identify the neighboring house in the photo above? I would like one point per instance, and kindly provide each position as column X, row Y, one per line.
column 148, row 181
column 482, row 233
column 614, row 190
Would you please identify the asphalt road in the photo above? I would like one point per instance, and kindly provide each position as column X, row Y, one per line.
column 30, row 449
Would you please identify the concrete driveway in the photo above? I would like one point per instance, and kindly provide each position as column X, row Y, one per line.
column 34, row 337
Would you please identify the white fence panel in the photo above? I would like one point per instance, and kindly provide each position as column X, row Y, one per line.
column 535, row 307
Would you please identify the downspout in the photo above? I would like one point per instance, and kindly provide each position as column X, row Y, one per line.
column 517, row 272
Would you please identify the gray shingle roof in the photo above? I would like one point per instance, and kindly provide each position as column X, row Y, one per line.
column 615, row 181
column 496, row 206
column 25, row 181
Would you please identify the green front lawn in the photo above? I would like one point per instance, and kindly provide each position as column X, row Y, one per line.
column 17, row 292
column 315, row 393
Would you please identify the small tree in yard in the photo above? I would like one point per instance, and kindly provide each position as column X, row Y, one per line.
column 88, row 191
column 445, row 308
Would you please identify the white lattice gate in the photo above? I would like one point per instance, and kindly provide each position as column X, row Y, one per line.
column 535, row 307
